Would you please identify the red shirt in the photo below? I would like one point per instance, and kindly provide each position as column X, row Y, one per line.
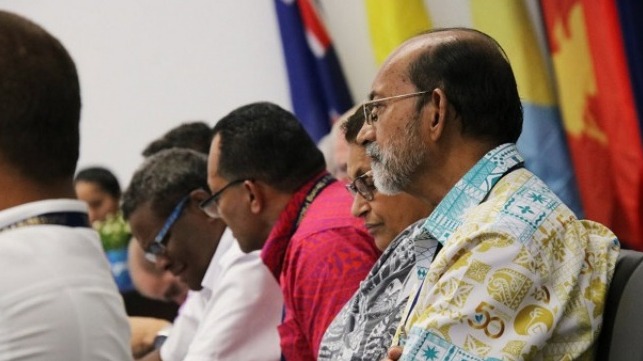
column 319, row 267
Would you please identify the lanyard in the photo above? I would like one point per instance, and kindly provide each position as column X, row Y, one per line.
column 69, row 219
column 402, row 337
column 319, row 186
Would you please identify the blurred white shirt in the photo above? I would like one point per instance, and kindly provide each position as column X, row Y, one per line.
column 234, row 316
column 58, row 299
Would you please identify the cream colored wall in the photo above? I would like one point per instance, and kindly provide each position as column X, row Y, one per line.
column 147, row 65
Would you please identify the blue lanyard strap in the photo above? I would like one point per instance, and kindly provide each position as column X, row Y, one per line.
column 69, row 219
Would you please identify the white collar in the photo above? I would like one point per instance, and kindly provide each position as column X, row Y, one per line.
column 213, row 273
column 32, row 209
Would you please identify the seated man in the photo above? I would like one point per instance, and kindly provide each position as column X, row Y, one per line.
column 149, row 334
column 365, row 326
column 270, row 185
column 242, row 304
column 519, row 277
column 58, row 300
column 100, row 189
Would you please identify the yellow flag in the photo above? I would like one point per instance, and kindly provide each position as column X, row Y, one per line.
column 391, row 22
column 508, row 22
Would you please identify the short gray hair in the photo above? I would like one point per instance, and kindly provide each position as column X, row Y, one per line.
column 164, row 178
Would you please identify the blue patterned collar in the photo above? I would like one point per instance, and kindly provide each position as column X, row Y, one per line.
column 471, row 190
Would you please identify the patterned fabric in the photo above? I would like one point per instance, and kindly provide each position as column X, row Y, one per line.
column 519, row 277
column 319, row 267
column 365, row 326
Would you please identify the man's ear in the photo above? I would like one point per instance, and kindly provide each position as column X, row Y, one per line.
column 438, row 113
column 256, row 194
column 199, row 195
column 196, row 197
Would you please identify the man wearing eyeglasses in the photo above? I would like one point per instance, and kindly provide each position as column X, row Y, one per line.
column 365, row 326
column 240, row 301
column 519, row 276
column 271, row 187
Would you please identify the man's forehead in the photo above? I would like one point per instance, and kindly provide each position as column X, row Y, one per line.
column 413, row 47
column 394, row 70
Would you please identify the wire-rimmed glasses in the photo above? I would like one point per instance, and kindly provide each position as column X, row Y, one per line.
column 370, row 107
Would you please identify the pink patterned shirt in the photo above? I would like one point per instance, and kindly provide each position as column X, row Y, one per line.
column 319, row 267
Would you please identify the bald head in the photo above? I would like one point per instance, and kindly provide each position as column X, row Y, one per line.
column 473, row 71
column 440, row 102
column 478, row 81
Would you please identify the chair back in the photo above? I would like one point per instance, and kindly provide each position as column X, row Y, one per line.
column 621, row 336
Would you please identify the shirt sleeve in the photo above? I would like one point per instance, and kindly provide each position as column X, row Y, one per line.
column 184, row 328
column 241, row 318
column 328, row 268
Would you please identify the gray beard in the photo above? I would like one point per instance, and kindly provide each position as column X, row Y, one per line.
column 392, row 172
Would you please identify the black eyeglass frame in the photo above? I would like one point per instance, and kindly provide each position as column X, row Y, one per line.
column 210, row 205
column 360, row 186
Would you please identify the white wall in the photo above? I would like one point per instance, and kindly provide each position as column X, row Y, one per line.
column 145, row 66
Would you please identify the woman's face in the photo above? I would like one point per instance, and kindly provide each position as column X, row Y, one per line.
column 385, row 216
column 100, row 203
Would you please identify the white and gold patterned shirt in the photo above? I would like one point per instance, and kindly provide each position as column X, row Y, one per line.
column 519, row 276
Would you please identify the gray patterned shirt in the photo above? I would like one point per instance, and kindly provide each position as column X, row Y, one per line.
column 365, row 326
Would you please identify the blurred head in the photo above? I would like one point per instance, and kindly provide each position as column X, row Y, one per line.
column 335, row 149
column 152, row 282
column 99, row 188
column 260, row 155
column 193, row 135
column 441, row 91
column 39, row 104
column 162, row 207
column 384, row 216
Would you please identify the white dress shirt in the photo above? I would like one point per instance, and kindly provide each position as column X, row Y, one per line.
column 58, row 299
column 241, row 305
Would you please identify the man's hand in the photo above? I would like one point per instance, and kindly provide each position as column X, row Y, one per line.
column 394, row 353
column 144, row 329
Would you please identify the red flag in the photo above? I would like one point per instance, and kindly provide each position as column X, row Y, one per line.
column 595, row 96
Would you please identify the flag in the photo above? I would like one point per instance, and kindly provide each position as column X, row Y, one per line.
column 542, row 142
column 599, row 114
column 630, row 12
column 318, row 90
column 391, row 22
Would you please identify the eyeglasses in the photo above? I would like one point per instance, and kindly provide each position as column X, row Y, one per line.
column 363, row 185
column 370, row 107
column 210, row 206
column 158, row 246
